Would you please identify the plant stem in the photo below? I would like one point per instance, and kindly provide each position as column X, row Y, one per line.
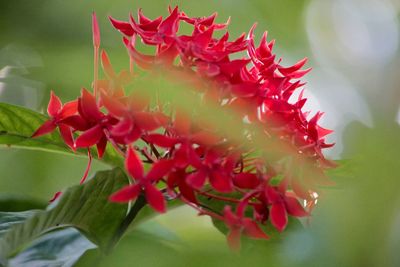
column 139, row 204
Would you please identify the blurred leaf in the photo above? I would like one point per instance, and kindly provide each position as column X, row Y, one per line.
column 17, row 124
column 16, row 202
column 8, row 219
column 59, row 248
column 85, row 207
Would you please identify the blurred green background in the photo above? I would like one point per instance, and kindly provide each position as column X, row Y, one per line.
column 353, row 48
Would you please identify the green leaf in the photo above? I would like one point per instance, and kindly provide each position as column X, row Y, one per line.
column 85, row 207
column 8, row 219
column 17, row 124
column 58, row 248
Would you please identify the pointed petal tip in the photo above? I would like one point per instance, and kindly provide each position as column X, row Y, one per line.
column 95, row 30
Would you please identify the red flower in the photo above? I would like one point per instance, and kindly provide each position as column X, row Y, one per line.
column 58, row 113
column 187, row 157
column 213, row 168
column 237, row 225
column 134, row 166
column 94, row 123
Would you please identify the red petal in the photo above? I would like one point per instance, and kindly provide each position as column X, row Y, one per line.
column 203, row 39
column 234, row 66
column 252, row 229
column 45, row 128
column 150, row 121
column 246, row 89
column 246, row 180
column 272, row 194
column 161, row 140
column 115, row 107
column 122, row 128
column 54, row 105
column 66, row 134
column 122, row 26
column 89, row 137
column 133, row 164
column 95, row 31
column 230, row 218
column 233, row 239
column 76, row 122
column 197, row 179
column 221, row 182
column 89, row 106
column 295, row 67
column 126, row 194
column 169, row 25
column 155, row 198
column 159, row 169
column 133, row 135
column 278, row 216
column 101, row 146
column 105, row 62
column 187, row 192
column 69, row 109
column 294, row 208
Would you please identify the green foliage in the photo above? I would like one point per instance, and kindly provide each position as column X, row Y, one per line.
column 85, row 207
column 59, row 248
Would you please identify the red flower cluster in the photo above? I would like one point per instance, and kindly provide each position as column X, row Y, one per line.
column 191, row 162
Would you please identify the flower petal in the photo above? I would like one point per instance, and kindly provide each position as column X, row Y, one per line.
column 230, row 218
column 246, row 180
column 294, row 208
column 233, row 238
column 122, row 128
column 105, row 62
column 122, row 26
column 133, row 164
column 161, row 140
column 115, row 107
column 221, row 182
column 101, row 146
column 253, row 230
column 126, row 194
column 45, row 128
column 278, row 216
column 150, row 121
column 159, row 169
column 89, row 137
column 54, row 105
column 66, row 134
column 95, row 31
column 197, row 179
column 88, row 106
column 187, row 192
column 69, row 109
column 155, row 198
